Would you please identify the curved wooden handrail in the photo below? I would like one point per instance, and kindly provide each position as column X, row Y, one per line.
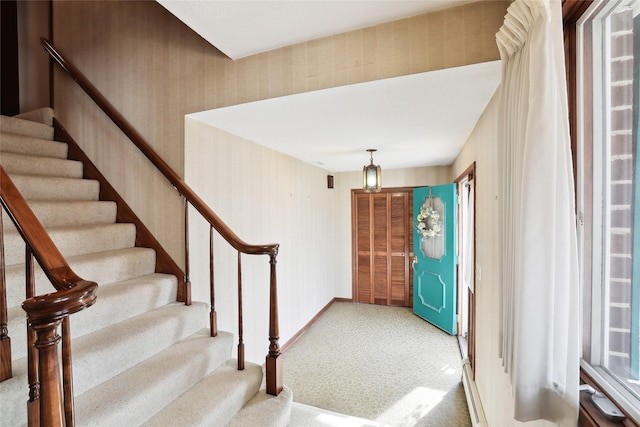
column 273, row 360
column 57, row 305
column 51, row 399
column 157, row 161
column 45, row 251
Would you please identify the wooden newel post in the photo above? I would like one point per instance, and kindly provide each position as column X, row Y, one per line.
column 51, row 396
column 274, row 362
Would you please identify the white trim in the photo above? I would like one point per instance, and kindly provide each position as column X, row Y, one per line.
column 476, row 411
column 618, row 392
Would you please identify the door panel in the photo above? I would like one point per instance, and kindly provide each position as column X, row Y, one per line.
column 434, row 287
column 363, row 290
column 382, row 247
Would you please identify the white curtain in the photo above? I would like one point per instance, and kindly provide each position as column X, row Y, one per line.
column 539, row 335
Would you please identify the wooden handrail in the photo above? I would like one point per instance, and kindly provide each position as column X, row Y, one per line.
column 154, row 158
column 45, row 251
column 6, row 369
column 46, row 312
column 273, row 360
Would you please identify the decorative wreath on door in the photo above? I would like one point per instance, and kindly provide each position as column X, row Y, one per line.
column 428, row 221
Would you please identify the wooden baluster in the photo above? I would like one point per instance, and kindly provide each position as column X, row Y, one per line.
column 67, row 373
column 51, row 410
column 240, row 329
column 213, row 316
column 33, row 406
column 6, row 370
column 187, row 279
column 274, row 362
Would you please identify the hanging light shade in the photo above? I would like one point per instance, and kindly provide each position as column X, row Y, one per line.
column 371, row 176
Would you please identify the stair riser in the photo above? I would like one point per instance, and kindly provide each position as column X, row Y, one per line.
column 25, row 127
column 136, row 395
column 197, row 408
column 264, row 409
column 106, row 268
column 73, row 242
column 20, row 144
column 14, row 394
column 41, row 188
column 43, row 166
column 136, row 350
column 110, row 351
column 41, row 115
column 132, row 298
column 65, row 214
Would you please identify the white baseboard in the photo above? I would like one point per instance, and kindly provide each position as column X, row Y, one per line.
column 476, row 411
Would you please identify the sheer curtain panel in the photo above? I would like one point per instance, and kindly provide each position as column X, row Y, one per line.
column 539, row 335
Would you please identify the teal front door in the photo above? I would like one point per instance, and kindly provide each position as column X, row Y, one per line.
column 434, row 247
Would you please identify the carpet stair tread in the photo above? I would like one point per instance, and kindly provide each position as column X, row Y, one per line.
column 132, row 297
column 103, row 268
column 26, row 127
column 22, row 164
column 138, row 355
column 76, row 240
column 63, row 213
column 212, row 402
column 29, row 145
column 109, row 351
column 137, row 394
column 134, row 395
column 40, row 115
column 264, row 409
column 24, row 144
column 56, row 188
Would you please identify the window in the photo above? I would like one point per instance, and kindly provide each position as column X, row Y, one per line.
column 609, row 197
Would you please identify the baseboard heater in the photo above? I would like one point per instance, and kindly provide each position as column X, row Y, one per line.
column 473, row 397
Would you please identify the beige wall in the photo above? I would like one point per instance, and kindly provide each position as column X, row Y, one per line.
column 33, row 61
column 493, row 384
column 265, row 197
column 347, row 181
column 155, row 72
column 289, row 203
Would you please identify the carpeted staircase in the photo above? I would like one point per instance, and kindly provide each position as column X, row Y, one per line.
column 139, row 357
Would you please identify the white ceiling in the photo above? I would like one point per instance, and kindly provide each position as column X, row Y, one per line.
column 240, row 28
column 416, row 120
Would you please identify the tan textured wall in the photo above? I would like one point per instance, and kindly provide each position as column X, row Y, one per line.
column 270, row 198
column 344, row 183
column 289, row 203
column 155, row 71
column 33, row 23
column 493, row 384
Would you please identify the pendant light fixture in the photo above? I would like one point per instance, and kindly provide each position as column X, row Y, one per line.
column 371, row 176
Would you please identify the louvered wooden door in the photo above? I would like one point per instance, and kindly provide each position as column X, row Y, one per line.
column 382, row 245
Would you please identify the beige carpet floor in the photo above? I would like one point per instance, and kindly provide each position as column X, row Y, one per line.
column 377, row 363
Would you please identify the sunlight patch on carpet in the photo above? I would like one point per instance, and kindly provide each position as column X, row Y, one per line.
column 331, row 420
column 450, row 370
column 413, row 406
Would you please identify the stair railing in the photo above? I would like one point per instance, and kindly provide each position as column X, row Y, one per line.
column 50, row 384
column 273, row 360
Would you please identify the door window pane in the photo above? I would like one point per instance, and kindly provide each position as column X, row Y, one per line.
column 430, row 225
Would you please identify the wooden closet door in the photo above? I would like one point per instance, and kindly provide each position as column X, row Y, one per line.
column 382, row 247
